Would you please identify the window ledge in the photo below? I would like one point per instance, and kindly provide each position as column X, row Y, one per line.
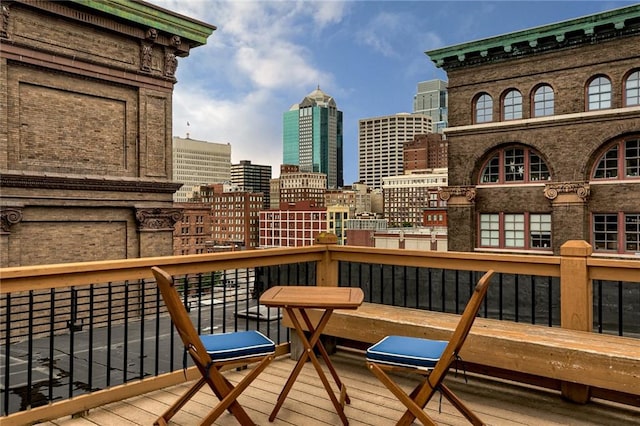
column 515, row 251
column 633, row 256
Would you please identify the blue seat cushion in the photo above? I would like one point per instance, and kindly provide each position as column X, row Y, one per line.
column 407, row 351
column 237, row 345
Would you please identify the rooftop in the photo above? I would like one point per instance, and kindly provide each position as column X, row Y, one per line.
column 496, row 402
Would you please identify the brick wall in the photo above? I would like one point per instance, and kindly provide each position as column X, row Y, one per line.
column 570, row 142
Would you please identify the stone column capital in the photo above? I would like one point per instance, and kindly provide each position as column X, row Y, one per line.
column 157, row 219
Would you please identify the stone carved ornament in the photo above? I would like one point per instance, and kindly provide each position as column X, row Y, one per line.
column 469, row 192
column 581, row 189
column 156, row 219
column 4, row 29
column 9, row 216
column 146, row 52
column 170, row 63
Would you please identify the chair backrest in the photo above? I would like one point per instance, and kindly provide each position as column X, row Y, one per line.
column 181, row 319
column 462, row 329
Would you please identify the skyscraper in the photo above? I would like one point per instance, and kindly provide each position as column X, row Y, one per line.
column 252, row 178
column 432, row 100
column 380, row 144
column 197, row 163
column 312, row 137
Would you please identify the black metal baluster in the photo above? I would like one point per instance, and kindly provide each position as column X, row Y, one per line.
column 550, row 300
column 157, row 333
column 620, row 310
column 90, row 348
column 443, row 286
column 533, row 299
column 72, row 334
column 199, row 302
column 393, row 284
column 109, row 330
column 7, row 356
column 500, row 296
column 430, row 294
column 418, row 282
column 141, row 286
column 457, row 297
column 126, row 332
column 52, row 317
column 30, row 352
column 517, row 292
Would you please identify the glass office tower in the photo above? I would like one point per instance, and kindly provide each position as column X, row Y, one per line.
column 312, row 137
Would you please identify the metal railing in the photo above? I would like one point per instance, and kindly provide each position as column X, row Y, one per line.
column 70, row 330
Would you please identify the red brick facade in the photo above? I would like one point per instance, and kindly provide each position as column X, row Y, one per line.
column 570, row 141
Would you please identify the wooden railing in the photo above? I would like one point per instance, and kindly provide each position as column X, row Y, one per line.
column 575, row 268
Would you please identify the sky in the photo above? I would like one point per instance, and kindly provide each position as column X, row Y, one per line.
column 267, row 55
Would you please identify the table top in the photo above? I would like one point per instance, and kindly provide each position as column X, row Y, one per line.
column 313, row 297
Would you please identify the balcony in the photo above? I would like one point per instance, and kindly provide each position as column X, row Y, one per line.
column 93, row 338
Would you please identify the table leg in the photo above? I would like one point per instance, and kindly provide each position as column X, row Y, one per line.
column 323, row 351
column 309, row 344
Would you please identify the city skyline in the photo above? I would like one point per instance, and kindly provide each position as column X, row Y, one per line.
column 369, row 55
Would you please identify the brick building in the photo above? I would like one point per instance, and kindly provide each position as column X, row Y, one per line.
column 544, row 137
column 235, row 216
column 294, row 186
column 410, row 199
column 192, row 232
column 292, row 225
column 425, row 151
column 85, row 129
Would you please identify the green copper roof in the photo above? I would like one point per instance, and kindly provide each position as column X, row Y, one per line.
column 556, row 35
column 154, row 17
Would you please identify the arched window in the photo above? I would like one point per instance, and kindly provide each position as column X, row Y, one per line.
column 515, row 165
column 599, row 94
column 484, row 108
column 620, row 161
column 512, row 105
column 543, row 101
column 632, row 89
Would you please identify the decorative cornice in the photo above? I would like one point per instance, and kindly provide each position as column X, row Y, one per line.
column 86, row 184
column 9, row 216
column 581, row 189
column 157, row 219
column 469, row 192
column 589, row 29
column 148, row 15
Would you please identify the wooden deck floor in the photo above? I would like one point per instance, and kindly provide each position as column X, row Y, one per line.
column 496, row 402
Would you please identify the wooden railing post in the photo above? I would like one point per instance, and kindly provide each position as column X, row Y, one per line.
column 326, row 269
column 576, row 302
column 326, row 275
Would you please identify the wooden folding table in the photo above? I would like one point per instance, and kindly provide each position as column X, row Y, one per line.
column 295, row 300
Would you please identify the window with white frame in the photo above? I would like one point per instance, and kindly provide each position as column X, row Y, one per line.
column 512, row 105
column 632, row 89
column 484, row 108
column 599, row 94
column 620, row 161
column 616, row 232
column 543, row 101
column 515, row 230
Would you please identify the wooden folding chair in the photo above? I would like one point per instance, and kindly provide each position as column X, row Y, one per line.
column 429, row 358
column 212, row 352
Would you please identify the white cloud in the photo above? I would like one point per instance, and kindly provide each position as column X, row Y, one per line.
column 252, row 69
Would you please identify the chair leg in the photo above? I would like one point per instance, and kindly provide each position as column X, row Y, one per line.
column 228, row 394
column 167, row 415
column 415, row 410
column 460, row 406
